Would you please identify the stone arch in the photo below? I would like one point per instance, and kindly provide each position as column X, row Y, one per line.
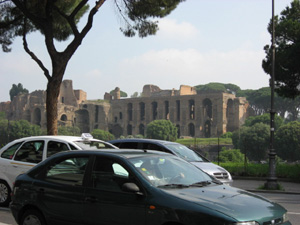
column 142, row 111
column 129, row 111
column 207, row 129
column 207, row 108
column 63, row 120
column 178, row 130
column 230, row 116
column 82, row 120
column 154, row 110
column 129, row 129
column 167, row 110
column 37, row 116
column 191, row 129
column 117, row 130
column 142, row 129
column 191, row 109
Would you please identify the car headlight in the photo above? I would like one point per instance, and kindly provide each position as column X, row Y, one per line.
column 246, row 223
column 285, row 218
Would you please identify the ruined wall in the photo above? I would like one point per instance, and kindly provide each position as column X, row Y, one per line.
column 194, row 114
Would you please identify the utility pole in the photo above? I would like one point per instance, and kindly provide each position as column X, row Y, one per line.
column 272, row 179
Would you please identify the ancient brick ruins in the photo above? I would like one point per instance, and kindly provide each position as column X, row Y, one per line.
column 194, row 114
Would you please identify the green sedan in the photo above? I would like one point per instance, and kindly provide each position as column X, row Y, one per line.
column 133, row 187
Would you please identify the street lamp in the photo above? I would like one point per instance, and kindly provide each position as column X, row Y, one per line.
column 272, row 179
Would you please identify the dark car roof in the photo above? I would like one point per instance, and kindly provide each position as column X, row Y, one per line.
column 163, row 142
column 126, row 153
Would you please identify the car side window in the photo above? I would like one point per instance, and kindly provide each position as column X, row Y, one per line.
column 54, row 147
column 129, row 145
column 109, row 175
column 31, row 151
column 68, row 172
column 9, row 153
column 153, row 147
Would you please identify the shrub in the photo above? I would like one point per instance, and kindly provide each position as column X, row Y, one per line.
column 102, row 135
column 231, row 155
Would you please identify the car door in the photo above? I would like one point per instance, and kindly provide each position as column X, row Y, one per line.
column 28, row 155
column 106, row 202
column 60, row 190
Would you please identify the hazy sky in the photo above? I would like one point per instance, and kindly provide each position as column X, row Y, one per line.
column 201, row 41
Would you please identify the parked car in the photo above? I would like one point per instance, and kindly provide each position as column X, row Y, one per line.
column 177, row 149
column 133, row 187
column 20, row 155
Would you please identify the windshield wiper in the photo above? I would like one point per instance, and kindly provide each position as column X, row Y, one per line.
column 201, row 184
column 217, row 182
column 173, row 186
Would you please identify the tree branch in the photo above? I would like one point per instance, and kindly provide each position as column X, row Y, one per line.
column 78, row 39
column 33, row 56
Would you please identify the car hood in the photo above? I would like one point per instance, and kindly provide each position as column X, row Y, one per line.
column 209, row 167
column 236, row 203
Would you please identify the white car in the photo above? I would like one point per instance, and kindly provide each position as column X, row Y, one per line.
column 20, row 155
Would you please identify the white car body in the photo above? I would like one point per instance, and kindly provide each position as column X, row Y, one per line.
column 20, row 155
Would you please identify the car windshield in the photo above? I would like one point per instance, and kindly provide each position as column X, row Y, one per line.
column 92, row 145
column 186, row 153
column 170, row 171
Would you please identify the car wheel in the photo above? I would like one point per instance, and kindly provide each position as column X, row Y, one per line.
column 32, row 217
column 4, row 193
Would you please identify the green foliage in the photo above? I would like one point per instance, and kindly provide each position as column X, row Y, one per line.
column 2, row 116
column 283, row 170
column 252, row 141
column 265, row 119
column 204, row 141
column 68, row 131
column 140, row 11
column 226, row 135
column 218, row 87
column 102, row 135
column 287, row 45
column 287, row 141
column 162, row 130
column 11, row 130
column 17, row 89
column 135, row 95
column 231, row 155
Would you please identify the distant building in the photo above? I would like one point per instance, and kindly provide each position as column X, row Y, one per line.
column 194, row 114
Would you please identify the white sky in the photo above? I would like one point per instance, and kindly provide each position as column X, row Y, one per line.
column 201, row 41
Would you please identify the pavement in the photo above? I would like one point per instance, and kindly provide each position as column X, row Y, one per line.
column 255, row 184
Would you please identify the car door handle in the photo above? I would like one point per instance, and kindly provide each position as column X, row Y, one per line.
column 91, row 199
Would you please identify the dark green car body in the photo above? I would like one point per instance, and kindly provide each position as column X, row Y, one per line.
column 132, row 194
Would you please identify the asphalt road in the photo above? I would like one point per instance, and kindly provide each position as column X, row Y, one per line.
column 290, row 201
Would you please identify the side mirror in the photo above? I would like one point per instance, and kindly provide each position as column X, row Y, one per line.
column 131, row 187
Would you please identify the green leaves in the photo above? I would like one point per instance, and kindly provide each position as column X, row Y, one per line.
column 287, row 42
column 287, row 141
column 139, row 15
column 102, row 135
column 162, row 130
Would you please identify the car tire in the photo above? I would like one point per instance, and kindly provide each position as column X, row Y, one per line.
column 32, row 217
column 4, row 193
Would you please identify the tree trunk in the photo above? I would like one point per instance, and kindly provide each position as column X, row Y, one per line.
column 53, row 89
